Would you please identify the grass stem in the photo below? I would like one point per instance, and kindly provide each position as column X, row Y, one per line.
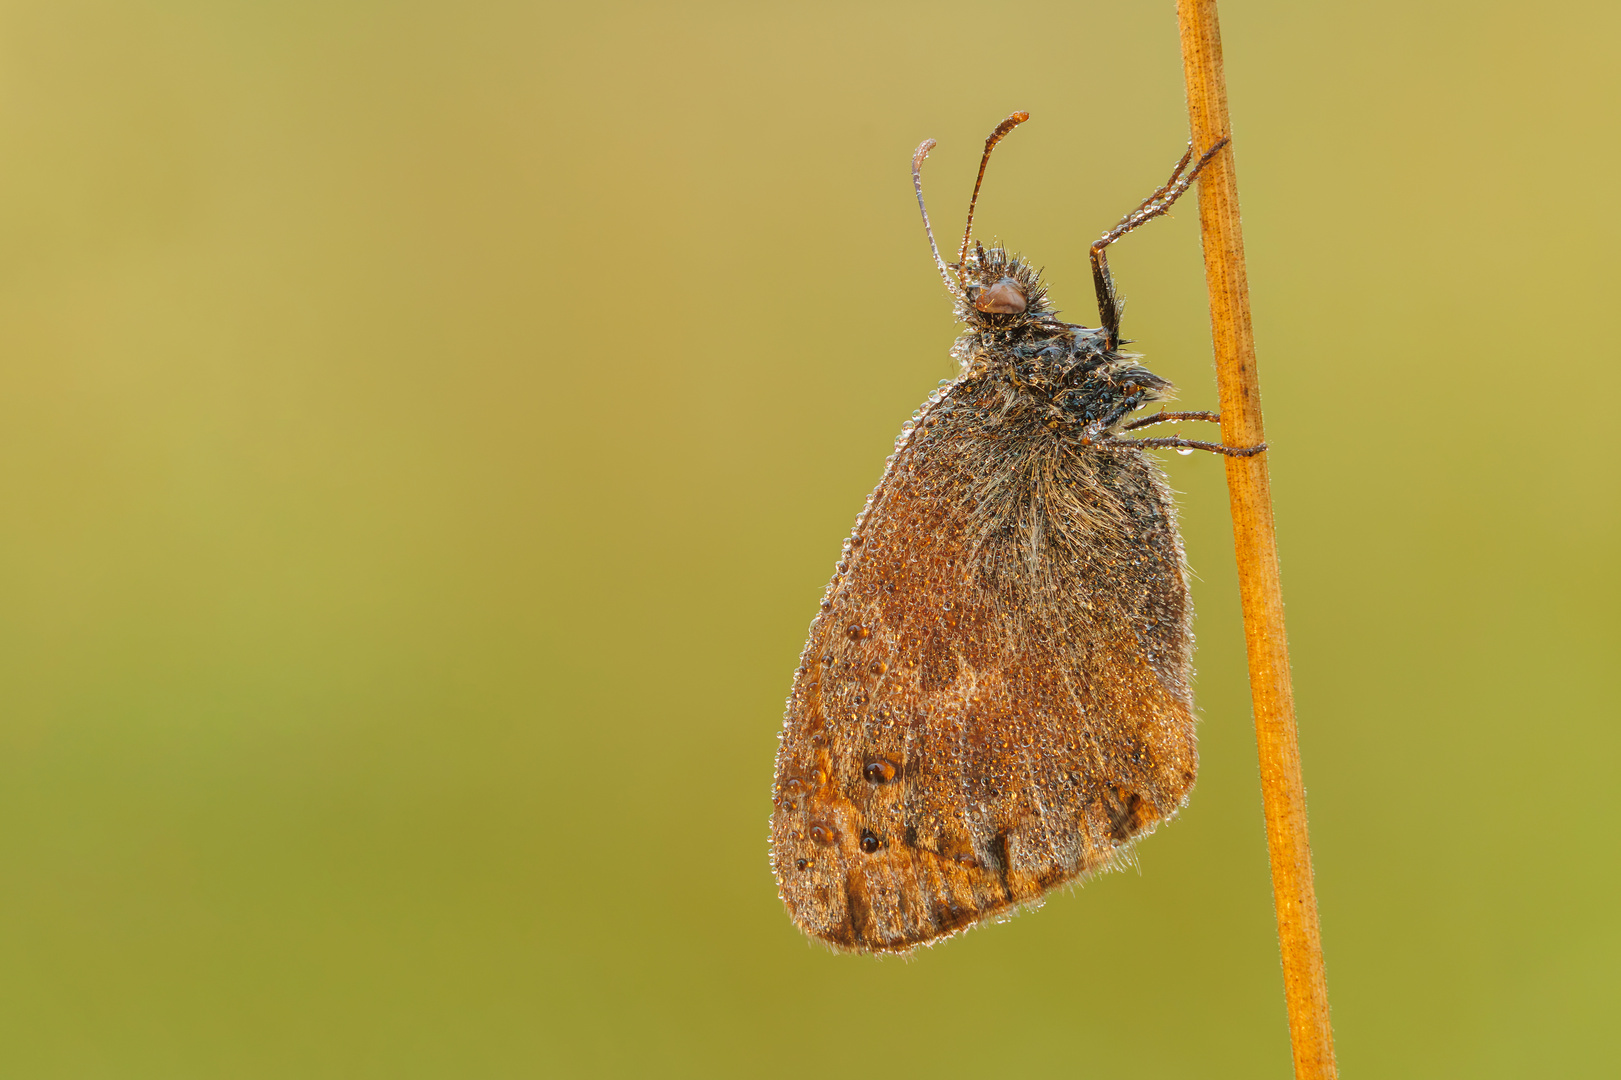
column 1255, row 541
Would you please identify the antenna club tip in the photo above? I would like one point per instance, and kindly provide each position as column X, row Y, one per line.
column 1004, row 127
column 921, row 152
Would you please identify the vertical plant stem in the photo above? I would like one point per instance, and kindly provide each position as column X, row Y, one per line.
column 1249, row 487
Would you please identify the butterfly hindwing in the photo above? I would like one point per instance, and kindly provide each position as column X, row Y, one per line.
column 994, row 698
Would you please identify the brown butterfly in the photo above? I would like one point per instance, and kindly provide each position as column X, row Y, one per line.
column 995, row 698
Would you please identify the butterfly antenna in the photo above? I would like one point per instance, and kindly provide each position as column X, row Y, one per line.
column 990, row 144
column 918, row 156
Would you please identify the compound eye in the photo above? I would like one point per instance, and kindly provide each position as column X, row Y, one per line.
column 1003, row 298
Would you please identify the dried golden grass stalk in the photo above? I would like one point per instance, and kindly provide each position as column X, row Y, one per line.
column 1249, row 486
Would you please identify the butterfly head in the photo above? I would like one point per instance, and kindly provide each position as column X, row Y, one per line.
column 1000, row 291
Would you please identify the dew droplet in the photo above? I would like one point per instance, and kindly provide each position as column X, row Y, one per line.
column 879, row 771
column 879, row 667
column 869, row 842
column 823, row 834
column 1184, row 450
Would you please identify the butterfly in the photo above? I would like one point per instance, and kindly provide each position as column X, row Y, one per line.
column 995, row 696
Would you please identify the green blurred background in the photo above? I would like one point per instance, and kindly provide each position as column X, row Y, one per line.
column 426, row 430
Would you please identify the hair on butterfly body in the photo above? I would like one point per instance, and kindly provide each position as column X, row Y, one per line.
column 995, row 696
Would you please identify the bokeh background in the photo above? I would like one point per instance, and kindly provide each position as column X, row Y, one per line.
column 426, row 430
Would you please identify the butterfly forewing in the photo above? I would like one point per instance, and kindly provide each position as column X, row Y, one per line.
column 994, row 698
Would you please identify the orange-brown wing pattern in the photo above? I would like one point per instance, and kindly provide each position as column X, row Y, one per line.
column 994, row 698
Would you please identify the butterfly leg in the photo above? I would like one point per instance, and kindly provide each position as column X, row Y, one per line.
column 1188, row 444
column 1130, row 404
column 1163, row 417
column 1158, row 203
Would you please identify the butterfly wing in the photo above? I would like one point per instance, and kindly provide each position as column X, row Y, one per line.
column 994, row 698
